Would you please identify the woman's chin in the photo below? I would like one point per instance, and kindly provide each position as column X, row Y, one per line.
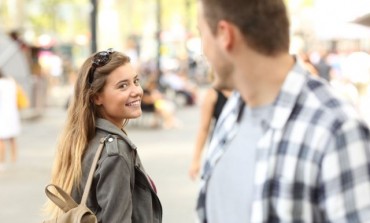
column 136, row 114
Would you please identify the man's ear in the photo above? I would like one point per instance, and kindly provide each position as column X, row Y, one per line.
column 225, row 33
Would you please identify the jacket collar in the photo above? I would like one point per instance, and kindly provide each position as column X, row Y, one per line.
column 107, row 126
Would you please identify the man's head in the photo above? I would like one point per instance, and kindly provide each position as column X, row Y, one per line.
column 261, row 25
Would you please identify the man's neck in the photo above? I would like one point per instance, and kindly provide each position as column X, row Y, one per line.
column 259, row 78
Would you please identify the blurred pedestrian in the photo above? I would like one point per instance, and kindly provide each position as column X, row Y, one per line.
column 307, row 63
column 107, row 94
column 213, row 102
column 164, row 109
column 178, row 82
column 10, row 124
column 285, row 148
column 322, row 66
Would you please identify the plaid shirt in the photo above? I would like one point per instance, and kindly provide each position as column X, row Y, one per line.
column 313, row 161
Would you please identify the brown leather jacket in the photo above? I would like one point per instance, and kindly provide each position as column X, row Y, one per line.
column 121, row 191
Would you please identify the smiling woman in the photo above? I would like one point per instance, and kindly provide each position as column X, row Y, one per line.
column 107, row 94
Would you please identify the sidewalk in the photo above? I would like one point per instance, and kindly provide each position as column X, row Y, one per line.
column 165, row 154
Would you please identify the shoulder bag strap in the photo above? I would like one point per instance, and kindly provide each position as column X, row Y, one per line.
column 66, row 204
column 92, row 170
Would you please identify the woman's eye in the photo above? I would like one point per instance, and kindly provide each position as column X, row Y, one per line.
column 123, row 85
column 137, row 82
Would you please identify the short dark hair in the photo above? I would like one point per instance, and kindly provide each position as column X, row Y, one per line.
column 264, row 23
column 1, row 74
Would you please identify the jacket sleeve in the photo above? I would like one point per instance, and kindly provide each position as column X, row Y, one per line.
column 113, row 190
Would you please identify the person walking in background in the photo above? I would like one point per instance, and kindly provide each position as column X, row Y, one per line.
column 304, row 57
column 107, row 94
column 154, row 101
column 10, row 124
column 213, row 102
column 285, row 148
column 323, row 67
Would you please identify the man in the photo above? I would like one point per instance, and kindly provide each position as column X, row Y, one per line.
column 285, row 148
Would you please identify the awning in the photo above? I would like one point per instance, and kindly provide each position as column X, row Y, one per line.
column 363, row 20
column 332, row 30
column 13, row 62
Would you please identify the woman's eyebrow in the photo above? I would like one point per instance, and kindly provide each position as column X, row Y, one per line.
column 126, row 80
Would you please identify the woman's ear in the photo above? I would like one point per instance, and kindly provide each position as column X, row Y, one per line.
column 97, row 100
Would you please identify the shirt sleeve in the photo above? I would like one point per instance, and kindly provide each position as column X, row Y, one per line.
column 345, row 175
column 113, row 191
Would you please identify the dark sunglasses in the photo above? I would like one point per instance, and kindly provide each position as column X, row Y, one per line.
column 100, row 59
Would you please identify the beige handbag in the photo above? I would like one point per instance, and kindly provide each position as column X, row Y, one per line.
column 73, row 212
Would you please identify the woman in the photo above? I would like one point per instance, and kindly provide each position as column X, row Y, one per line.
column 211, row 108
column 9, row 118
column 107, row 94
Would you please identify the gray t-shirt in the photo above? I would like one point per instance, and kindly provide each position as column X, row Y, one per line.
column 230, row 188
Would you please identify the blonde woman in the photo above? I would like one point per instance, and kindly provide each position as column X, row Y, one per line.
column 107, row 94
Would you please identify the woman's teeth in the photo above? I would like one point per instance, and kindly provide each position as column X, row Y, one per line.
column 135, row 103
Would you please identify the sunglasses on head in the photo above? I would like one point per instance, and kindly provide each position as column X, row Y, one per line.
column 100, row 59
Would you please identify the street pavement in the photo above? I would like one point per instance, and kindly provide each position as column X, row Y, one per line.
column 165, row 153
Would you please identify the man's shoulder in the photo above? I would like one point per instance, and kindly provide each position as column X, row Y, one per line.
column 319, row 101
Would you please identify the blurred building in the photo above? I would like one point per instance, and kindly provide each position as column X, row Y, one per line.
column 329, row 23
column 59, row 35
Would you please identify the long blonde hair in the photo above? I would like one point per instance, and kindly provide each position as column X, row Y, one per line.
column 79, row 128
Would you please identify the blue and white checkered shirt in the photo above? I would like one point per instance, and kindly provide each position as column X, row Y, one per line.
column 313, row 161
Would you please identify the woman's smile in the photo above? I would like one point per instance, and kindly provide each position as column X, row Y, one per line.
column 136, row 103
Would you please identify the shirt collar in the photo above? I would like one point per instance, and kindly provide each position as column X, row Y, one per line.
column 288, row 95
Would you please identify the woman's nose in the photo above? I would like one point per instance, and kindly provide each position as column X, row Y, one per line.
column 137, row 90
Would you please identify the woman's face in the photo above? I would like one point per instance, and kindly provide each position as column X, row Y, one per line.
column 121, row 96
